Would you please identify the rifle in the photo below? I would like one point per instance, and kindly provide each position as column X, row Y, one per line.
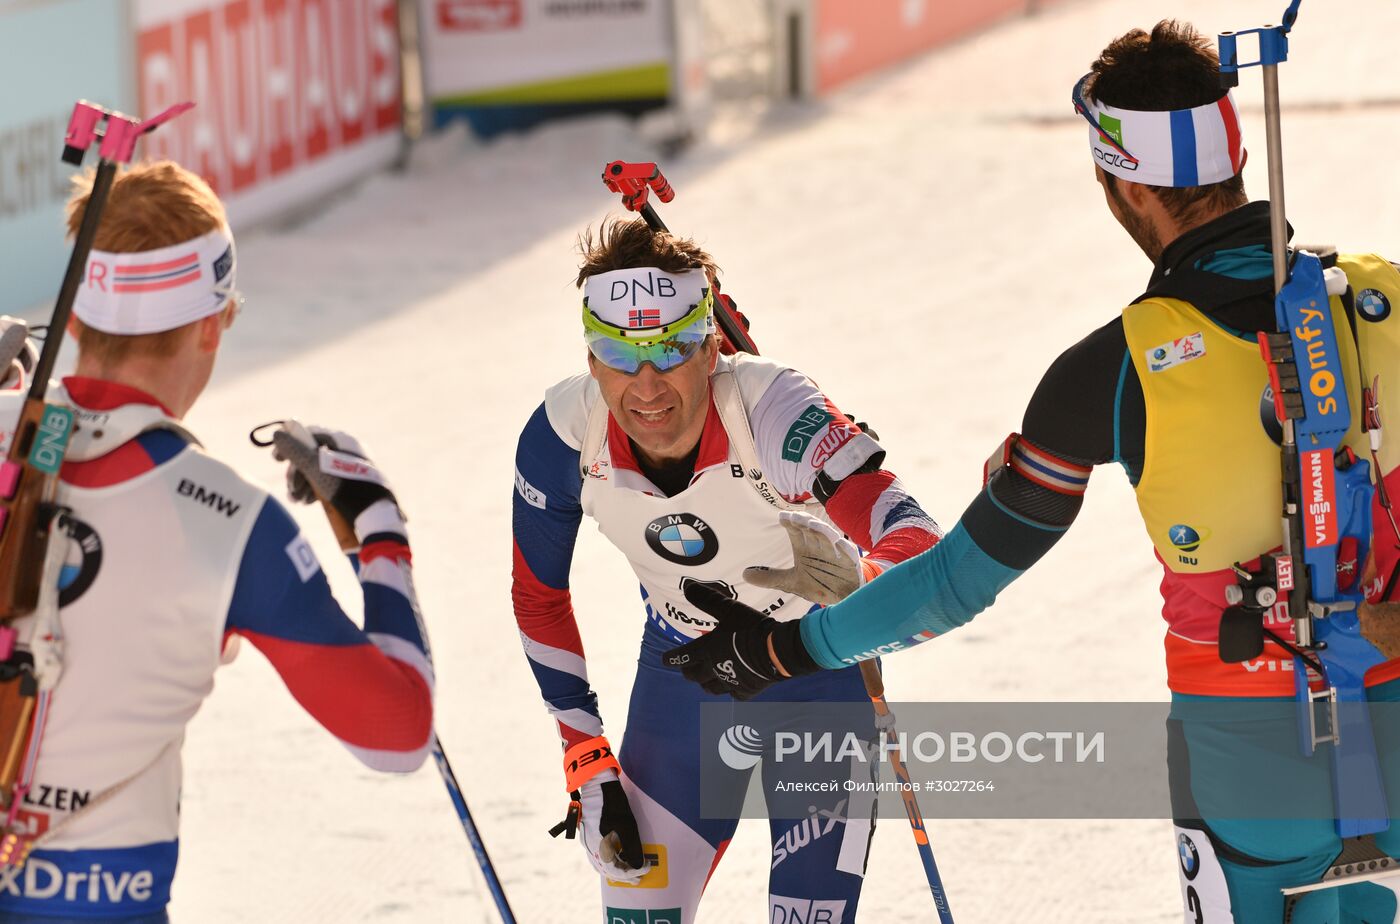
column 29, row 474
column 1323, row 484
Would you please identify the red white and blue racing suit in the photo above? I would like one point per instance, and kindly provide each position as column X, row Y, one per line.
column 174, row 557
column 709, row 530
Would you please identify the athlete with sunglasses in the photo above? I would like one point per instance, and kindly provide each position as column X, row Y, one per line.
column 695, row 465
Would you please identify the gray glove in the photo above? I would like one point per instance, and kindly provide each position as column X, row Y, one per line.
column 826, row 566
column 17, row 353
column 332, row 467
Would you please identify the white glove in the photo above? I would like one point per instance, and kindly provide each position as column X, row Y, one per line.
column 17, row 353
column 605, row 807
column 826, row 565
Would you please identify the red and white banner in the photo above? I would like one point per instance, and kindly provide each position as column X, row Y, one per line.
column 853, row 39
column 293, row 97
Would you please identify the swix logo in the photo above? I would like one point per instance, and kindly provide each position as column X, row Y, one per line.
column 1319, row 498
column 349, row 468
column 812, row 828
column 40, row 879
column 835, row 438
column 1322, row 381
column 211, row 499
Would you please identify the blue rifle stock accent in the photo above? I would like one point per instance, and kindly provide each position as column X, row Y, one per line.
column 1273, row 47
column 1303, row 309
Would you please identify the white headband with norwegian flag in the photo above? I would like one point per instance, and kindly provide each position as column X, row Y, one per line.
column 1184, row 147
column 157, row 290
column 642, row 297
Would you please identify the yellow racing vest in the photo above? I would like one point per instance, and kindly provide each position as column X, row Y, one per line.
column 1210, row 492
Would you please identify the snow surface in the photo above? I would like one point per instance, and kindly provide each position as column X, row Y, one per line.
column 923, row 243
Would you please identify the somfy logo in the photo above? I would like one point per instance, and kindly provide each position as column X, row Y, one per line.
column 740, row 747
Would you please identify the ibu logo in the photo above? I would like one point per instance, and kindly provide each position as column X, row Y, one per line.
column 1185, row 538
column 682, row 539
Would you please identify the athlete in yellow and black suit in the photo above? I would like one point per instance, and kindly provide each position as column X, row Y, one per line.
column 1173, row 390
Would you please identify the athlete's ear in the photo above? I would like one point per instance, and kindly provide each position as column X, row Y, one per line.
column 712, row 344
column 1244, row 158
column 210, row 332
column 592, row 367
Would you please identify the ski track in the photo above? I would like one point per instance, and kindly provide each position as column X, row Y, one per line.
column 923, row 243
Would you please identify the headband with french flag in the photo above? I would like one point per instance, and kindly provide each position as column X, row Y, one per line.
column 1176, row 148
column 157, row 290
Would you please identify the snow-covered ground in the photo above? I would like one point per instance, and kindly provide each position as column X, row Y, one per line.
column 923, row 243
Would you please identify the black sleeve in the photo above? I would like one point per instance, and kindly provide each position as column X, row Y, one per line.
column 1072, row 413
column 1076, row 415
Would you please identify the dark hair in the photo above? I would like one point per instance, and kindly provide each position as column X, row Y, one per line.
column 624, row 244
column 1173, row 68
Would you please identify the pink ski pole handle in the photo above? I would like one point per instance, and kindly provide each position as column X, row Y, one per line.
column 119, row 139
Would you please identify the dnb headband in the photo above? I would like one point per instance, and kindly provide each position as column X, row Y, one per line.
column 157, row 290
column 1177, row 148
column 644, row 297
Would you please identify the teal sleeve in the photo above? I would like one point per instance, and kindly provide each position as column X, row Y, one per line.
column 930, row 594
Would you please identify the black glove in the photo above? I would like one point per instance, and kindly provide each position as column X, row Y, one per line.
column 734, row 657
column 601, row 813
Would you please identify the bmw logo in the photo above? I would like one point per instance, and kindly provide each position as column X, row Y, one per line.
column 1184, row 537
column 1373, row 304
column 81, row 563
column 1188, row 855
column 682, row 539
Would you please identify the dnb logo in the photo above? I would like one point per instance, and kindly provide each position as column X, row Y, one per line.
column 1373, row 304
column 81, row 562
column 682, row 539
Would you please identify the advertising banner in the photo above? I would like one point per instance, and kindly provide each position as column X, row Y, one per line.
column 294, row 97
column 509, row 63
column 853, row 39
column 91, row 40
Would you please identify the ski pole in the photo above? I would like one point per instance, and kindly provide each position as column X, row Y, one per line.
column 884, row 721
column 483, row 859
column 636, row 182
column 345, row 536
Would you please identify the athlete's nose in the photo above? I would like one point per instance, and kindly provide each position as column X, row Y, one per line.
column 649, row 386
